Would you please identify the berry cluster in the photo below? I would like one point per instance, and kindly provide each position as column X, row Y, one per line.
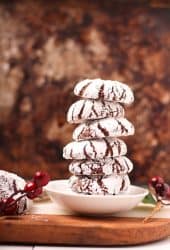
column 32, row 189
column 160, row 190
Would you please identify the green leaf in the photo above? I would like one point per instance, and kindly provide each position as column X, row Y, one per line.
column 149, row 199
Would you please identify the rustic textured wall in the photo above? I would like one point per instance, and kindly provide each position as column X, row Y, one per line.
column 46, row 47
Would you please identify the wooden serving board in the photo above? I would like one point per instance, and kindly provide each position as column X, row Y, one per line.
column 76, row 230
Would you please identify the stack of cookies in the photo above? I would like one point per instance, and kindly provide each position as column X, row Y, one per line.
column 99, row 163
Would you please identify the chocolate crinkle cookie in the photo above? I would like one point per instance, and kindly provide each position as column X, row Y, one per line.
column 99, row 164
column 9, row 183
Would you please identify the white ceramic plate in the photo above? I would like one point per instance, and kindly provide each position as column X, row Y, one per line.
column 60, row 192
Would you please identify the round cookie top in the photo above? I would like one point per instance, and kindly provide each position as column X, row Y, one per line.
column 111, row 185
column 8, row 183
column 95, row 149
column 107, row 90
column 87, row 109
column 107, row 127
column 119, row 165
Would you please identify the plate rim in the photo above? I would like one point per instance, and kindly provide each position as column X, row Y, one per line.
column 143, row 192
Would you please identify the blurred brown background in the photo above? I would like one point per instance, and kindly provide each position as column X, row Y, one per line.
column 47, row 46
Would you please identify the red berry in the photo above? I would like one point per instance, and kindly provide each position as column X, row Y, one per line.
column 2, row 205
column 160, row 189
column 156, row 180
column 9, row 206
column 34, row 193
column 41, row 178
column 30, row 186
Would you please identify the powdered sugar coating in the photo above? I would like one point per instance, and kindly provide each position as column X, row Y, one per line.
column 104, row 89
column 8, row 183
column 99, row 165
column 95, row 149
column 118, row 165
column 112, row 185
column 108, row 127
column 91, row 110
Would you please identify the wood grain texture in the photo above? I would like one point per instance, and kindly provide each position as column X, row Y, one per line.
column 75, row 230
